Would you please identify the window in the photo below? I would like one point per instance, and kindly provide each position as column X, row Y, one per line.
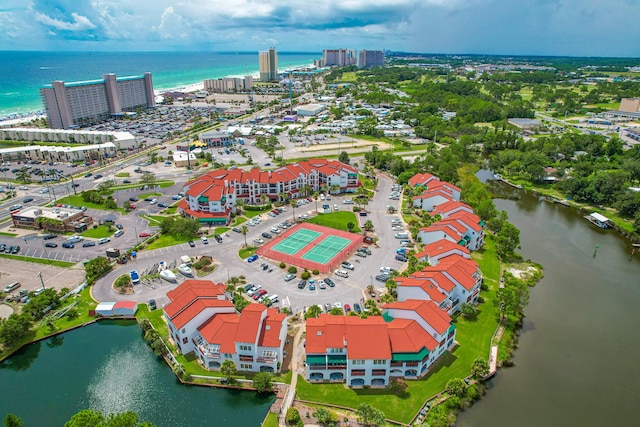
column 379, row 362
column 183, row 330
column 357, row 362
column 185, row 340
column 246, row 366
column 245, row 347
column 268, row 353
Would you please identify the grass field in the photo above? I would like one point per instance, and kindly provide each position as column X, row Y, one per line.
column 337, row 220
column 77, row 200
column 166, row 240
column 473, row 337
column 349, row 76
column 63, row 264
column 246, row 252
column 98, row 232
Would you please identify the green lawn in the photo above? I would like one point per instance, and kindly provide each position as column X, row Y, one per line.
column 239, row 220
column 123, row 175
column 271, row 420
column 98, row 232
column 473, row 337
column 221, row 230
column 349, row 76
column 63, row 264
column 152, row 195
column 252, row 213
column 77, row 200
column 171, row 210
column 337, row 220
column 246, row 252
column 2, row 233
column 165, row 240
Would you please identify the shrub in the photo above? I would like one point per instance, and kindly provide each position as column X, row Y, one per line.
column 282, row 264
column 293, row 416
column 292, row 270
column 305, row 275
column 315, row 272
column 122, row 281
column 480, row 299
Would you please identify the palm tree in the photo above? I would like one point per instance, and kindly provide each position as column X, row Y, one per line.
column 244, row 230
column 293, row 204
column 263, row 199
column 240, row 206
column 334, row 189
column 315, row 196
column 282, row 196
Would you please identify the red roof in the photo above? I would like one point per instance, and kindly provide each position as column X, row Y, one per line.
column 250, row 319
column 185, row 316
column 221, row 329
column 441, row 247
column 191, row 297
column 271, row 327
column 447, row 186
column 450, row 231
column 350, row 332
column 429, row 311
column 407, row 336
column 427, row 286
column 434, row 276
column 440, row 192
column 125, row 304
column 422, row 179
column 461, row 269
column 470, row 220
column 447, row 208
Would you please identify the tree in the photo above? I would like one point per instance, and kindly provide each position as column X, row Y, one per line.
column 469, row 311
column 479, row 368
column 97, row 267
column 456, row 387
column 148, row 178
column 350, row 226
column 440, row 416
column 228, row 369
column 91, row 418
column 293, row 416
column 262, row 382
column 244, row 230
column 315, row 197
column 13, row 421
column 344, row 157
column 324, row 416
column 313, row 311
column 398, row 386
column 14, row 328
column 507, row 240
column 368, row 225
column 370, row 416
column 86, row 418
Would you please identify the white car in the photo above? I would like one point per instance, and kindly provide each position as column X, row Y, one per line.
column 385, row 269
column 258, row 241
column 321, row 284
column 275, row 230
column 336, row 207
column 23, row 187
column 347, row 201
column 154, row 201
column 337, row 305
column 303, row 216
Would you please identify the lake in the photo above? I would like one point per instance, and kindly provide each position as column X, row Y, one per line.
column 108, row 367
column 577, row 359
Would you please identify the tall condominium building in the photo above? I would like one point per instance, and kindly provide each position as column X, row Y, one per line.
column 268, row 65
column 338, row 57
column 70, row 105
column 370, row 58
column 229, row 84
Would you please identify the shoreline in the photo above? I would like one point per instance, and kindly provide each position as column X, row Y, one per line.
column 18, row 117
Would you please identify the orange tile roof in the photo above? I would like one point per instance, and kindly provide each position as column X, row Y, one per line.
column 271, row 327
column 447, row 186
column 434, row 276
column 422, row 179
column 433, row 315
column 221, row 329
column 449, row 207
column 440, row 247
column 449, row 231
column 192, row 310
column 471, row 220
column 189, row 291
column 427, row 286
column 329, row 331
column 427, row 194
column 407, row 336
column 460, row 269
column 250, row 323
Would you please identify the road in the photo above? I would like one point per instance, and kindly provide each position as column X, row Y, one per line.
column 346, row 291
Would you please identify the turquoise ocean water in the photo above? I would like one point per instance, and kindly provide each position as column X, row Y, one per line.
column 23, row 73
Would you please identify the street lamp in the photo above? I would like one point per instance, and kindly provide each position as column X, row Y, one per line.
column 41, row 281
column 137, row 238
column 370, row 280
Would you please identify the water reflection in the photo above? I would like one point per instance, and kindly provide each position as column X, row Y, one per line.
column 23, row 359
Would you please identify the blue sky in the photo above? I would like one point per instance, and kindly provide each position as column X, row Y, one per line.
column 510, row 27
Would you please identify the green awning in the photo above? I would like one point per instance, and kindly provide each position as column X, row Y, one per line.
column 316, row 360
column 342, row 358
column 222, row 220
column 410, row 357
column 452, row 327
column 387, row 317
column 203, row 199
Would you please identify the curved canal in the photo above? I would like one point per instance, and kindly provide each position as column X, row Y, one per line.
column 108, row 367
column 577, row 359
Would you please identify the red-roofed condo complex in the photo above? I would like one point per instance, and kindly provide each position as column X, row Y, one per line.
column 203, row 321
column 213, row 196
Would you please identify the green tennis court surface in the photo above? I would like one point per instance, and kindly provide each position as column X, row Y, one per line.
column 326, row 249
column 296, row 241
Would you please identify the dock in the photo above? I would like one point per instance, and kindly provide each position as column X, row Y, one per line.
column 598, row 220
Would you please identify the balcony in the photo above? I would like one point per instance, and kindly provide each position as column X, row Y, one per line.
column 379, row 372
column 358, row 373
column 266, row 359
column 336, row 367
column 246, row 358
column 316, row 367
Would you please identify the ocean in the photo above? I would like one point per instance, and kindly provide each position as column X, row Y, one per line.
column 23, row 73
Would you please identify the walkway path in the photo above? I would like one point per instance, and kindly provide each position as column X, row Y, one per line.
column 291, row 391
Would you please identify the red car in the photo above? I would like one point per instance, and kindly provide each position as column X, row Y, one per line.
column 347, row 308
column 260, row 294
column 144, row 234
column 132, row 206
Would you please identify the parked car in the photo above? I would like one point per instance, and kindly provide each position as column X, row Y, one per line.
column 204, row 240
column 266, row 235
column 162, row 205
column 68, row 245
column 49, row 236
column 348, row 266
column 87, row 244
column 356, row 308
column 252, row 258
column 258, row 240
column 329, row 282
column 218, row 238
column 192, row 243
column 152, row 304
column 382, row 277
column 289, row 277
column 51, row 245
column 133, row 199
column 145, row 234
column 236, row 229
column 119, row 226
column 302, row 284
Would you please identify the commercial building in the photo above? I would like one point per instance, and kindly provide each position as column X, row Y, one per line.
column 370, row 58
column 202, row 320
column 52, row 219
column 215, row 138
column 338, row 57
column 524, row 123
column 213, row 196
column 630, row 105
column 310, row 109
column 268, row 61
column 76, row 104
column 229, row 84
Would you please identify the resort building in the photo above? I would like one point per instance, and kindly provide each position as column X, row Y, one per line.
column 229, row 84
column 370, row 58
column 464, row 228
column 409, row 337
column 434, row 252
column 422, row 179
column 447, row 209
column 54, row 153
column 52, row 219
column 268, row 61
column 338, row 57
column 453, row 281
column 70, row 105
column 437, row 193
column 202, row 320
column 213, row 196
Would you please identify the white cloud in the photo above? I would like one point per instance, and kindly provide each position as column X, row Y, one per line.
column 79, row 23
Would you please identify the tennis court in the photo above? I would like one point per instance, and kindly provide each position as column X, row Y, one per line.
column 293, row 243
column 312, row 246
column 326, row 249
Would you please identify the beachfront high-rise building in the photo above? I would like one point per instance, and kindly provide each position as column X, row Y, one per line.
column 76, row 104
column 370, row 58
column 338, row 57
column 229, row 84
column 268, row 65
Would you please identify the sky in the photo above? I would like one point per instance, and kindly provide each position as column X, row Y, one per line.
column 508, row 27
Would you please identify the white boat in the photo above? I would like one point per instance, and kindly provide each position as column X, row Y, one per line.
column 184, row 269
column 168, row 275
